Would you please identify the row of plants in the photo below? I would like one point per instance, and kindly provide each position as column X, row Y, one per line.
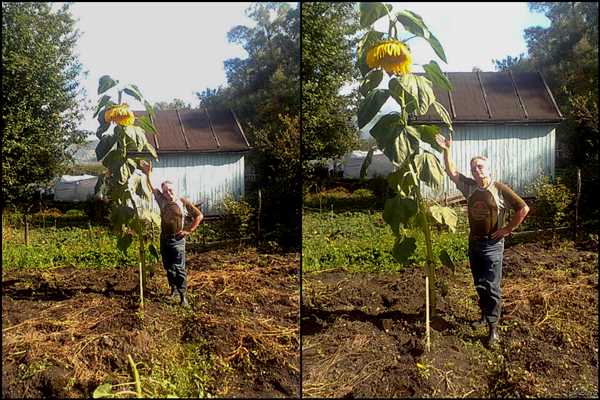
column 362, row 241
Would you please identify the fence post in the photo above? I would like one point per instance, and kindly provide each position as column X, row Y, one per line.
column 258, row 216
column 26, row 231
column 577, row 203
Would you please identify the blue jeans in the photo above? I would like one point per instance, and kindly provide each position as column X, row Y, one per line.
column 172, row 251
column 485, row 257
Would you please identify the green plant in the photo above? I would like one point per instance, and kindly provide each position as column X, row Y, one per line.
column 552, row 201
column 122, row 152
column 379, row 52
column 237, row 218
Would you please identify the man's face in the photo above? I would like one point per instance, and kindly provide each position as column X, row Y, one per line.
column 167, row 190
column 479, row 171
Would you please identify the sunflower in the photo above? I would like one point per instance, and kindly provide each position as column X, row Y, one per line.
column 119, row 114
column 392, row 55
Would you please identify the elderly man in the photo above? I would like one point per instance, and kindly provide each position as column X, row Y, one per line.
column 174, row 213
column 487, row 203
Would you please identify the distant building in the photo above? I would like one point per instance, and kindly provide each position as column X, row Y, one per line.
column 202, row 153
column 508, row 117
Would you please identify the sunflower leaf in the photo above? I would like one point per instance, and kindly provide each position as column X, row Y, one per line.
column 371, row 12
column 371, row 105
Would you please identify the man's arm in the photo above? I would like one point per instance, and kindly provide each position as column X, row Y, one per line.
column 446, row 145
column 198, row 216
column 146, row 168
column 521, row 210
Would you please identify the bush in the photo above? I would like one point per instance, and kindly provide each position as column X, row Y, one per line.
column 341, row 199
column 552, row 202
column 237, row 218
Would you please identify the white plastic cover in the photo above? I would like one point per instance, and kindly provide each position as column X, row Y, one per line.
column 75, row 187
column 380, row 164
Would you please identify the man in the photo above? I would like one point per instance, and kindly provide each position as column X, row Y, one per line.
column 487, row 203
column 174, row 213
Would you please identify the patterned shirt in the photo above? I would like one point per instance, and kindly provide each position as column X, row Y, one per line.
column 487, row 206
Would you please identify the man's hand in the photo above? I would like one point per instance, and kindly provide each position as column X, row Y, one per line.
column 500, row 233
column 182, row 233
column 443, row 142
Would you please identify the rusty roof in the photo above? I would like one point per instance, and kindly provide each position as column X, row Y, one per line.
column 495, row 97
column 196, row 131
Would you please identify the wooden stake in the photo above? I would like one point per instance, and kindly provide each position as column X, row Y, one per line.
column 577, row 203
column 427, row 336
column 26, row 231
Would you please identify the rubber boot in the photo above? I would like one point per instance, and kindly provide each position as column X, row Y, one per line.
column 480, row 322
column 493, row 337
column 184, row 301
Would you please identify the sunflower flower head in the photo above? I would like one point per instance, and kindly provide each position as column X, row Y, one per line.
column 391, row 55
column 120, row 114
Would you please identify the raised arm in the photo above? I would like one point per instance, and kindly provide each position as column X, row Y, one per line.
column 146, row 168
column 446, row 145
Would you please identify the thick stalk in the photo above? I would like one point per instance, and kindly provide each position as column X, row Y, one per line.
column 142, row 269
column 136, row 377
column 429, row 263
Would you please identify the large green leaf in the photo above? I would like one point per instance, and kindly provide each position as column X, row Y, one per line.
column 133, row 94
column 445, row 216
column 145, row 123
column 370, row 105
column 404, row 248
column 403, row 179
column 429, row 170
column 371, row 12
column 427, row 134
column 105, row 144
column 397, row 212
column 365, row 165
column 418, row 89
column 435, row 75
column 120, row 215
column 103, row 124
column 388, row 132
column 137, row 136
column 122, row 174
column 124, row 242
column 113, row 160
column 103, row 102
column 153, row 252
column 149, row 108
column 447, row 260
column 102, row 391
column 443, row 113
column 437, row 47
column 412, row 23
column 371, row 81
column 105, row 83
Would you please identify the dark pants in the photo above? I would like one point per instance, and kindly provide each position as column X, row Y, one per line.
column 485, row 257
column 172, row 251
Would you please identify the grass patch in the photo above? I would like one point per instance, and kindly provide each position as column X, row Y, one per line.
column 362, row 241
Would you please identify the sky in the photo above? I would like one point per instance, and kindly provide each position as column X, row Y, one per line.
column 173, row 50
column 168, row 50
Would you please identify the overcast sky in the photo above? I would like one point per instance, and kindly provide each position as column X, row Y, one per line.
column 173, row 50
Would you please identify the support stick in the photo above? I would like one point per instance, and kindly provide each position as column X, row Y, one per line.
column 427, row 338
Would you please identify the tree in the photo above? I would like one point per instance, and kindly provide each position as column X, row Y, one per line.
column 41, row 96
column 264, row 91
column 566, row 53
column 328, row 38
column 175, row 104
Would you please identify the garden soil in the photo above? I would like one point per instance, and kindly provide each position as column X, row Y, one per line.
column 363, row 333
column 67, row 331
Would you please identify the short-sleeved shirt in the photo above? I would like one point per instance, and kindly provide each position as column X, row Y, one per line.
column 172, row 214
column 487, row 206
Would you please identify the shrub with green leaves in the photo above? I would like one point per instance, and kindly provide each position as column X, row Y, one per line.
column 552, row 203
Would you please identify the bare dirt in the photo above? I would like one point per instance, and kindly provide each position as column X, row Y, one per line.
column 66, row 331
column 363, row 334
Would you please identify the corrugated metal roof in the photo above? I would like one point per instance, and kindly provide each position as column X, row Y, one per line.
column 495, row 97
column 197, row 131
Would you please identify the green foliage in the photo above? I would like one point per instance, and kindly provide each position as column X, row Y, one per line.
column 328, row 35
column 362, row 241
column 41, row 96
column 264, row 91
column 340, row 199
column 237, row 217
column 552, row 203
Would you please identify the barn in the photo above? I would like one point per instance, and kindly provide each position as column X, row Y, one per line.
column 509, row 117
column 202, row 153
